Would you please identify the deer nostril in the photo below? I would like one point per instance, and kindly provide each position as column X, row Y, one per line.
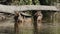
column 19, row 21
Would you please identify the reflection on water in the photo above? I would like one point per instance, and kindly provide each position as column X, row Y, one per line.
column 45, row 28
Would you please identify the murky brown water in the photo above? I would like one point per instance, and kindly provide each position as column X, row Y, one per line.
column 7, row 27
column 46, row 28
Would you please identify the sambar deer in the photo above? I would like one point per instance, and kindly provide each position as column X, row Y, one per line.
column 39, row 16
column 18, row 21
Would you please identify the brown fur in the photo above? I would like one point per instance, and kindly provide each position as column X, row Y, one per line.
column 18, row 20
column 39, row 16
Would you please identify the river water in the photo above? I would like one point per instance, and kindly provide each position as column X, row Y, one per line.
column 45, row 28
column 7, row 27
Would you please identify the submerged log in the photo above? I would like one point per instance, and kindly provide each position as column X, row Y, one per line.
column 11, row 9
